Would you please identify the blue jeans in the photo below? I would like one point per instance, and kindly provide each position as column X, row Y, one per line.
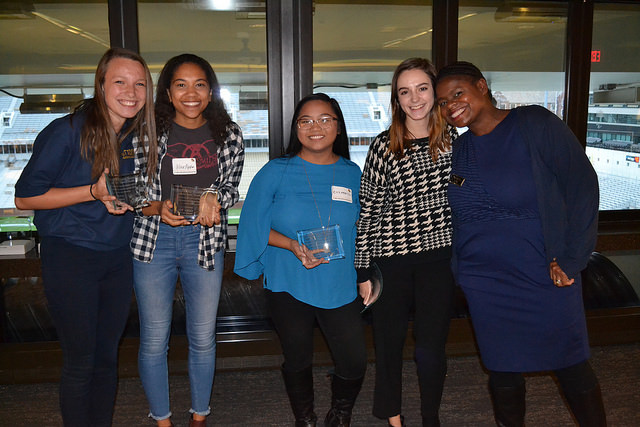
column 89, row 297
column 176, row 253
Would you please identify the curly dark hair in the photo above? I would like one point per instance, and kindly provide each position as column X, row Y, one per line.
column 215, row 113
column 340, row 145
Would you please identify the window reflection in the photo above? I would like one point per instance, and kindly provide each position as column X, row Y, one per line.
column 613, row 127
column 233, row 40
column 356, row 47
column 50, row 50
column 519, row 48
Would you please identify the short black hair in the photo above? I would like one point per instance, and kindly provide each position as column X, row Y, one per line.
column 460, row 68
column 463, row 69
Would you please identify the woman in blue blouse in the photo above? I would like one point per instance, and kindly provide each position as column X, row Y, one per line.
column 314, row 185
column 86, row 264
column 199, row 146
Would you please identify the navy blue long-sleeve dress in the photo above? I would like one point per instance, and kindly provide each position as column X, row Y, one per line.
column 522, row 321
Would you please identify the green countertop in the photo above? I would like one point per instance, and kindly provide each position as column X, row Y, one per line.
column 25, row 223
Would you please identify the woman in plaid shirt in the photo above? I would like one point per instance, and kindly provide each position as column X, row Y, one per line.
column 199, row 146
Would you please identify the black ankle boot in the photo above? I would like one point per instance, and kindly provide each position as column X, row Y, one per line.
column 508, row 405
column 343, row 396
column 587, row 407
column 299, row 387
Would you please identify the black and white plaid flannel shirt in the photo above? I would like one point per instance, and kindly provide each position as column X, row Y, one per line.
column 212, row 239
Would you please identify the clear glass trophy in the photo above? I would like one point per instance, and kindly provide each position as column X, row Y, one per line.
column 130, row 189
column 324, row 242
column 186, row 200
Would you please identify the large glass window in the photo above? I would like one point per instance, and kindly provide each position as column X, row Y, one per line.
column 233, row 39
column 49, row 49
column 520, row 48
column 613, row 129
column 356, row 47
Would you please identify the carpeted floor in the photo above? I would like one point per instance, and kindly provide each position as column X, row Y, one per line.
column 257, row 397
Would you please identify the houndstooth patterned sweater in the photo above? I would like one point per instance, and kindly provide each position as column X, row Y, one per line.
column 404, row 207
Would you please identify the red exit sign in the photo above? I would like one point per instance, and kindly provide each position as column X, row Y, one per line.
column 595, row 56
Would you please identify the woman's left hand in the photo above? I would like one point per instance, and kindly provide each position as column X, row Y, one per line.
column 559, row 277
column 100, row 192
column 209, row 210
column 365, row 290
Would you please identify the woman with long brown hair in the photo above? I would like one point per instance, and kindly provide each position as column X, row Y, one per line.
column 405, row 228
column 86, row 261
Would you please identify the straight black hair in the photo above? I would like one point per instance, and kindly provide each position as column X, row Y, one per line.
column 340, row 145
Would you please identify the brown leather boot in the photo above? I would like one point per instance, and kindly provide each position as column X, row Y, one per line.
column 197, row 423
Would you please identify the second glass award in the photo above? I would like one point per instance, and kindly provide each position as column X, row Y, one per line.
column 324, row 242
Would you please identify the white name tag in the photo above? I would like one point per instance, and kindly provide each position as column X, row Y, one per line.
column 342, row 194
column 184, row 166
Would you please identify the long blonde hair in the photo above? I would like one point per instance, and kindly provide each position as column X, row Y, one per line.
column 99, row 143
column 400, row 139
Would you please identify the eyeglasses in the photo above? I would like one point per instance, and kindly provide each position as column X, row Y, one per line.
column 324, row 122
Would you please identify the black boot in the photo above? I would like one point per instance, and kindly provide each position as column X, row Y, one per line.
column 508, row 405
column 299, row 387
column 343, row 397
column 587, row 407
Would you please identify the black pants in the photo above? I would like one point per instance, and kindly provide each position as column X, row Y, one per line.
column 576, row 378
column 428, row 289
column 342, row 327
column 89, row 295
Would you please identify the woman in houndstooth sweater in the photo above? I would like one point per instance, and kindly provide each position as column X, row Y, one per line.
column 405, row 228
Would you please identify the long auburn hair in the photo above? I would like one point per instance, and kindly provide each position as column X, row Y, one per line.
column 98, row 141
column 400, row 139
column 341, row 143
column 215, row 112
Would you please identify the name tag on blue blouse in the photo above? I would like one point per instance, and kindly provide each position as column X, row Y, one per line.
column 456, row 180
column 342, row 194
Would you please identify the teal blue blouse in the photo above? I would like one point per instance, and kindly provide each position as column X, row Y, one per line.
column 283, row 196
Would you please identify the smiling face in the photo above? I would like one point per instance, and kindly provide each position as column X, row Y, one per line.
column 415, row 96
column 317, row 140
column 190, row 94
column 462, row 101
column 125, row 88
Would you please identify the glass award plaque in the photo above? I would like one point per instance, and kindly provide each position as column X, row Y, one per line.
column 186, row 200
column 130, row 189
column 324, row 242
column 376, row 285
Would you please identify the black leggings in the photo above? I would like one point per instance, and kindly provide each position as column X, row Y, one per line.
column 342, row 327
column 574, row 379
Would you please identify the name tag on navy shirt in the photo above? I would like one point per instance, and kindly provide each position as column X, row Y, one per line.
column 456, row 180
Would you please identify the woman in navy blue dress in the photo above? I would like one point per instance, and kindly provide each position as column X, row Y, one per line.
column 524, row 200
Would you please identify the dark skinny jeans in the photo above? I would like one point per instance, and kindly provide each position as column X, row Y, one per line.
column 89, row 295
